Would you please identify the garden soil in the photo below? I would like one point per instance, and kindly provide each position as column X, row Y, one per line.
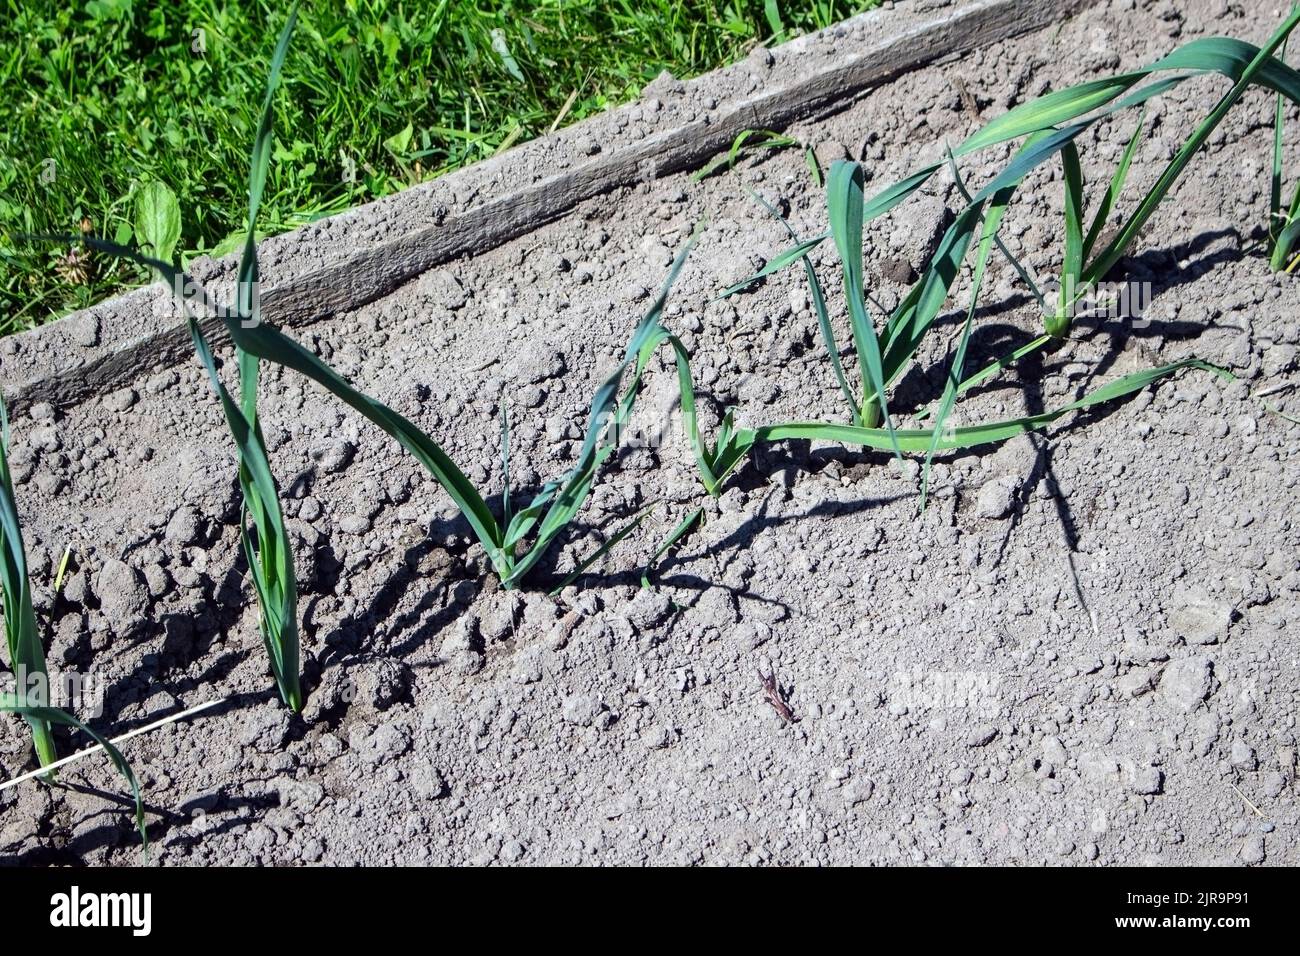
column 1082, row 652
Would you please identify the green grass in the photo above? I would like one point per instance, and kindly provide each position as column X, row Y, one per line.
column 110, row 95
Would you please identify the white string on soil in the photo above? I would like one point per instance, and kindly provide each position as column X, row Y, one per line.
column 48, row 768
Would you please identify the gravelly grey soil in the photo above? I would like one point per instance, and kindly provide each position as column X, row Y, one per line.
column 1081, row 653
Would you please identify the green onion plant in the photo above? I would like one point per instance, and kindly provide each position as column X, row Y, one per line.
column 264, row 539
column 1049, row 126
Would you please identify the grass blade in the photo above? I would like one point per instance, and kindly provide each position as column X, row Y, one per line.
column 814, row 167
column 918, row 310
column 260, row 162
column 1278, row 221
column 704, row 457
column 563, row 499
column 763, row 139
column 1281, row 414
column 1016, row 264
column 733, row 445
column 777, row 263
column 1206, row 54
column 505, row 464
column 1049, row 111
column 880, row 204
column 1286, row 239
column 267, row 548
column 1058, row 325
column 1006, row 361
column 63, row 569
column 1275, row 178
column 270, row 344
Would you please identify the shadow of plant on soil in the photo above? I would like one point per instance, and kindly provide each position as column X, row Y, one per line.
column 229, row 810
column 1161, row 268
